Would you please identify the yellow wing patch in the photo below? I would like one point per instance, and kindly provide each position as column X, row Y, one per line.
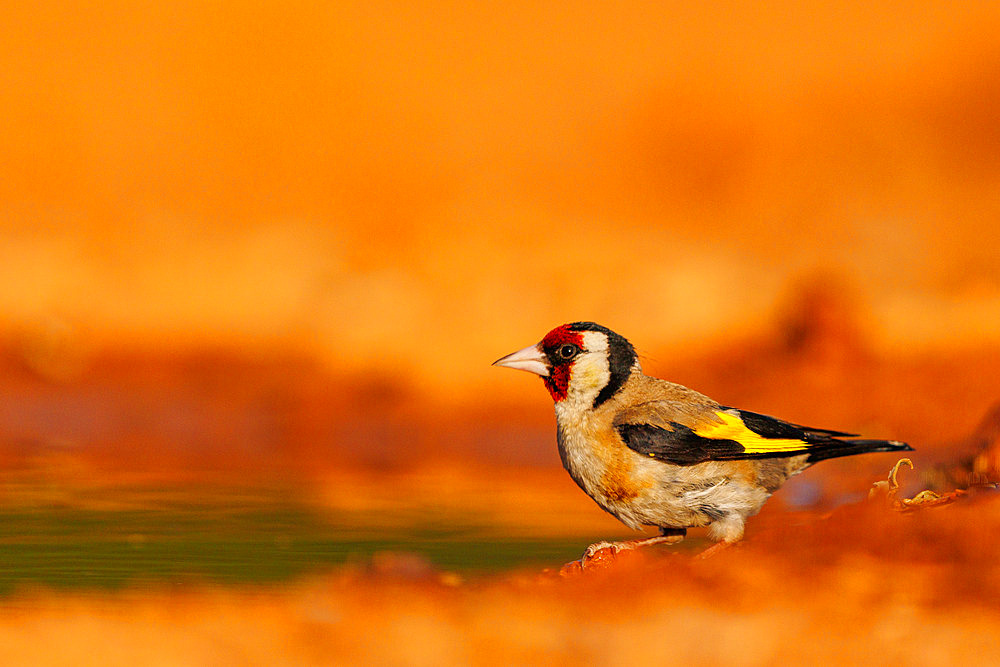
column 733, row 428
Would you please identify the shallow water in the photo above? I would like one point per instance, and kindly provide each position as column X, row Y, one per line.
column 162, row 536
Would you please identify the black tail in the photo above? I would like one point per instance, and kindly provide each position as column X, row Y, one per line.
column 836, row 448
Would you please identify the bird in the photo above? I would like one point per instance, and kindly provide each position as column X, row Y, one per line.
column 654, row 453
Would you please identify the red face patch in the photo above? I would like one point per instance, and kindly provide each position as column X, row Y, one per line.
column 557, row 381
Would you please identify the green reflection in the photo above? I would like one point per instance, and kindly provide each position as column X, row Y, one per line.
column 237, row 538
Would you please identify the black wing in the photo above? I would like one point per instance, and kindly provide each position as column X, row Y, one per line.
column 745, row 435
column 681, row 446
column 770, row 427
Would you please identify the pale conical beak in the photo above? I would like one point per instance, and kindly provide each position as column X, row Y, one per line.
column 530, row 359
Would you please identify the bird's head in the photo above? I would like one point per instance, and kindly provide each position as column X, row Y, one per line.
column 580, row 362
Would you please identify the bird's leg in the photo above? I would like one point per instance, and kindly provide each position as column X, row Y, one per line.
column 666, row 536
column 715, row 549
column 728, row 531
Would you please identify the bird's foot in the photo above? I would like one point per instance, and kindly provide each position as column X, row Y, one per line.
column 601, row 551
column 603, row 554
column 598, row 555
column 615, row 547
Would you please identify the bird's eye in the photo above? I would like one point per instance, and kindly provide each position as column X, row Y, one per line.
column 568, row 351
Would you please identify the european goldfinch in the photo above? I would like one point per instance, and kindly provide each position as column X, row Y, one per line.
column 654, row 453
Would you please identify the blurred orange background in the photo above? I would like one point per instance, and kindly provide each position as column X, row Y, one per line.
column 396, row 194
column 290, row 238
column 417, row 187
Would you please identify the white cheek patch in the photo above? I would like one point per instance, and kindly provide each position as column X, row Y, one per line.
column 595, row 341
column 591, row 372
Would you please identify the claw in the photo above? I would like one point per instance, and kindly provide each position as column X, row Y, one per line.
column 603, row 554
column 597, row 556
